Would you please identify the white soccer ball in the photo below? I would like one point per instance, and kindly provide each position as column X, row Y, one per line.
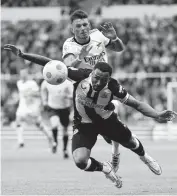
column 55, row 72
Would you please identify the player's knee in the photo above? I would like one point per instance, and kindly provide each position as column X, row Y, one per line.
column 81, row 163
column 54, row 120
column 131, row 143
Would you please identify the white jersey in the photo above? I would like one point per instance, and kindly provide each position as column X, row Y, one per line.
column 98, row 52
column 29, row 97
column 57, row 96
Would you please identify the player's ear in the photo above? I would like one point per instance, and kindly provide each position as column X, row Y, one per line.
column 71, row 29
column 89, row 25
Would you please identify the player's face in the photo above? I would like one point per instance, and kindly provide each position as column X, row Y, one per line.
column 81, row 28
column 99, row 79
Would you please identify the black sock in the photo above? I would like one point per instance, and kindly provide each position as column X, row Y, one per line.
column 55, row 134
column 95, row 165
column 65, row 142
column 140, row 150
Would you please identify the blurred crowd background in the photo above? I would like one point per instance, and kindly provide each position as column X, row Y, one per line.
column 151, row 47
column 27, row 3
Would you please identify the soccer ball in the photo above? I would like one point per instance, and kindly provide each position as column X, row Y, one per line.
column 55, row 72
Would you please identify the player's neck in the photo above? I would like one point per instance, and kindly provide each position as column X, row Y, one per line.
column 82, row 41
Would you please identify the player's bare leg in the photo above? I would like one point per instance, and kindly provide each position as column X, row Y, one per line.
column 45, row 130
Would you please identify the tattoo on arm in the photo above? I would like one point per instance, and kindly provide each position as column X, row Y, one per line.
column 116, row 45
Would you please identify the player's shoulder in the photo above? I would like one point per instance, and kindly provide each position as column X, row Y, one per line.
column 96, row 35
column 94, row 31
column 69, row 40
column 113, row 83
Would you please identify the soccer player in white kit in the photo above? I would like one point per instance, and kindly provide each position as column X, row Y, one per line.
column 86, row 48
column 57, row 101
column 29, row 108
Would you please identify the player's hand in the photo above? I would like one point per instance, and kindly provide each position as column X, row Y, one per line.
column 85, row 51
column 108, row 30
column 166, row 115
column 13, row 49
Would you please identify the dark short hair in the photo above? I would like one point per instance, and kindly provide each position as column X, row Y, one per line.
column 104, row 67
column 78, row 14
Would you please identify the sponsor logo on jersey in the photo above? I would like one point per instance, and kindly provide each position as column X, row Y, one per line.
column 88, row 102
column 92, row 60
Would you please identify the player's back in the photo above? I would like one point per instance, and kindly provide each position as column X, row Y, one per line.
column 98, row 52
column 59, row 96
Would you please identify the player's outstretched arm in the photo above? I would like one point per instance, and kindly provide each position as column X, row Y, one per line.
column 71, row 60
column 38, row 59
column 115, row 43
column 147, row 110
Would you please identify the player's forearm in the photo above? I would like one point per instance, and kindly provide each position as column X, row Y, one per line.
column 116, row 45
column 72, row 63
column 147, row 110
column 38, row 59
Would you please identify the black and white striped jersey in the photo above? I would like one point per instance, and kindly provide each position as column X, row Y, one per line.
column 89, row 105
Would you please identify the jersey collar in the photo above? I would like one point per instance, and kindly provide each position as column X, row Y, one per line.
column 80, row 43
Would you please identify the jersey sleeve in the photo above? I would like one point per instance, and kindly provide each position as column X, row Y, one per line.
column 78, row 74
column 118, row 91
column 67, row 49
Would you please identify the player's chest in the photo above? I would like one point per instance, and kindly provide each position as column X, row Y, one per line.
column 25, row 88
column 55, row 90
column 85, row 93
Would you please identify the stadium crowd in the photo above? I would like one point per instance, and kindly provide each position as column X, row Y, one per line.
column 32, row 3
column 151, row 46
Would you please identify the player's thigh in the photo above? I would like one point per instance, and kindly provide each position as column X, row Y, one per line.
column 84, row 137
column 115, row 130
column 54, row 121
column 64, row 116
column 21, row 116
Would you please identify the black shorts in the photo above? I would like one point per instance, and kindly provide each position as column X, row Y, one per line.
column 85, row 135
column 63, row 114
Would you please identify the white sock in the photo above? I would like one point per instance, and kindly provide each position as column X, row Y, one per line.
column 20, row 138
column 115, row 148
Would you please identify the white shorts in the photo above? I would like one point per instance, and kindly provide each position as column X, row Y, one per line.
column 28, row 114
